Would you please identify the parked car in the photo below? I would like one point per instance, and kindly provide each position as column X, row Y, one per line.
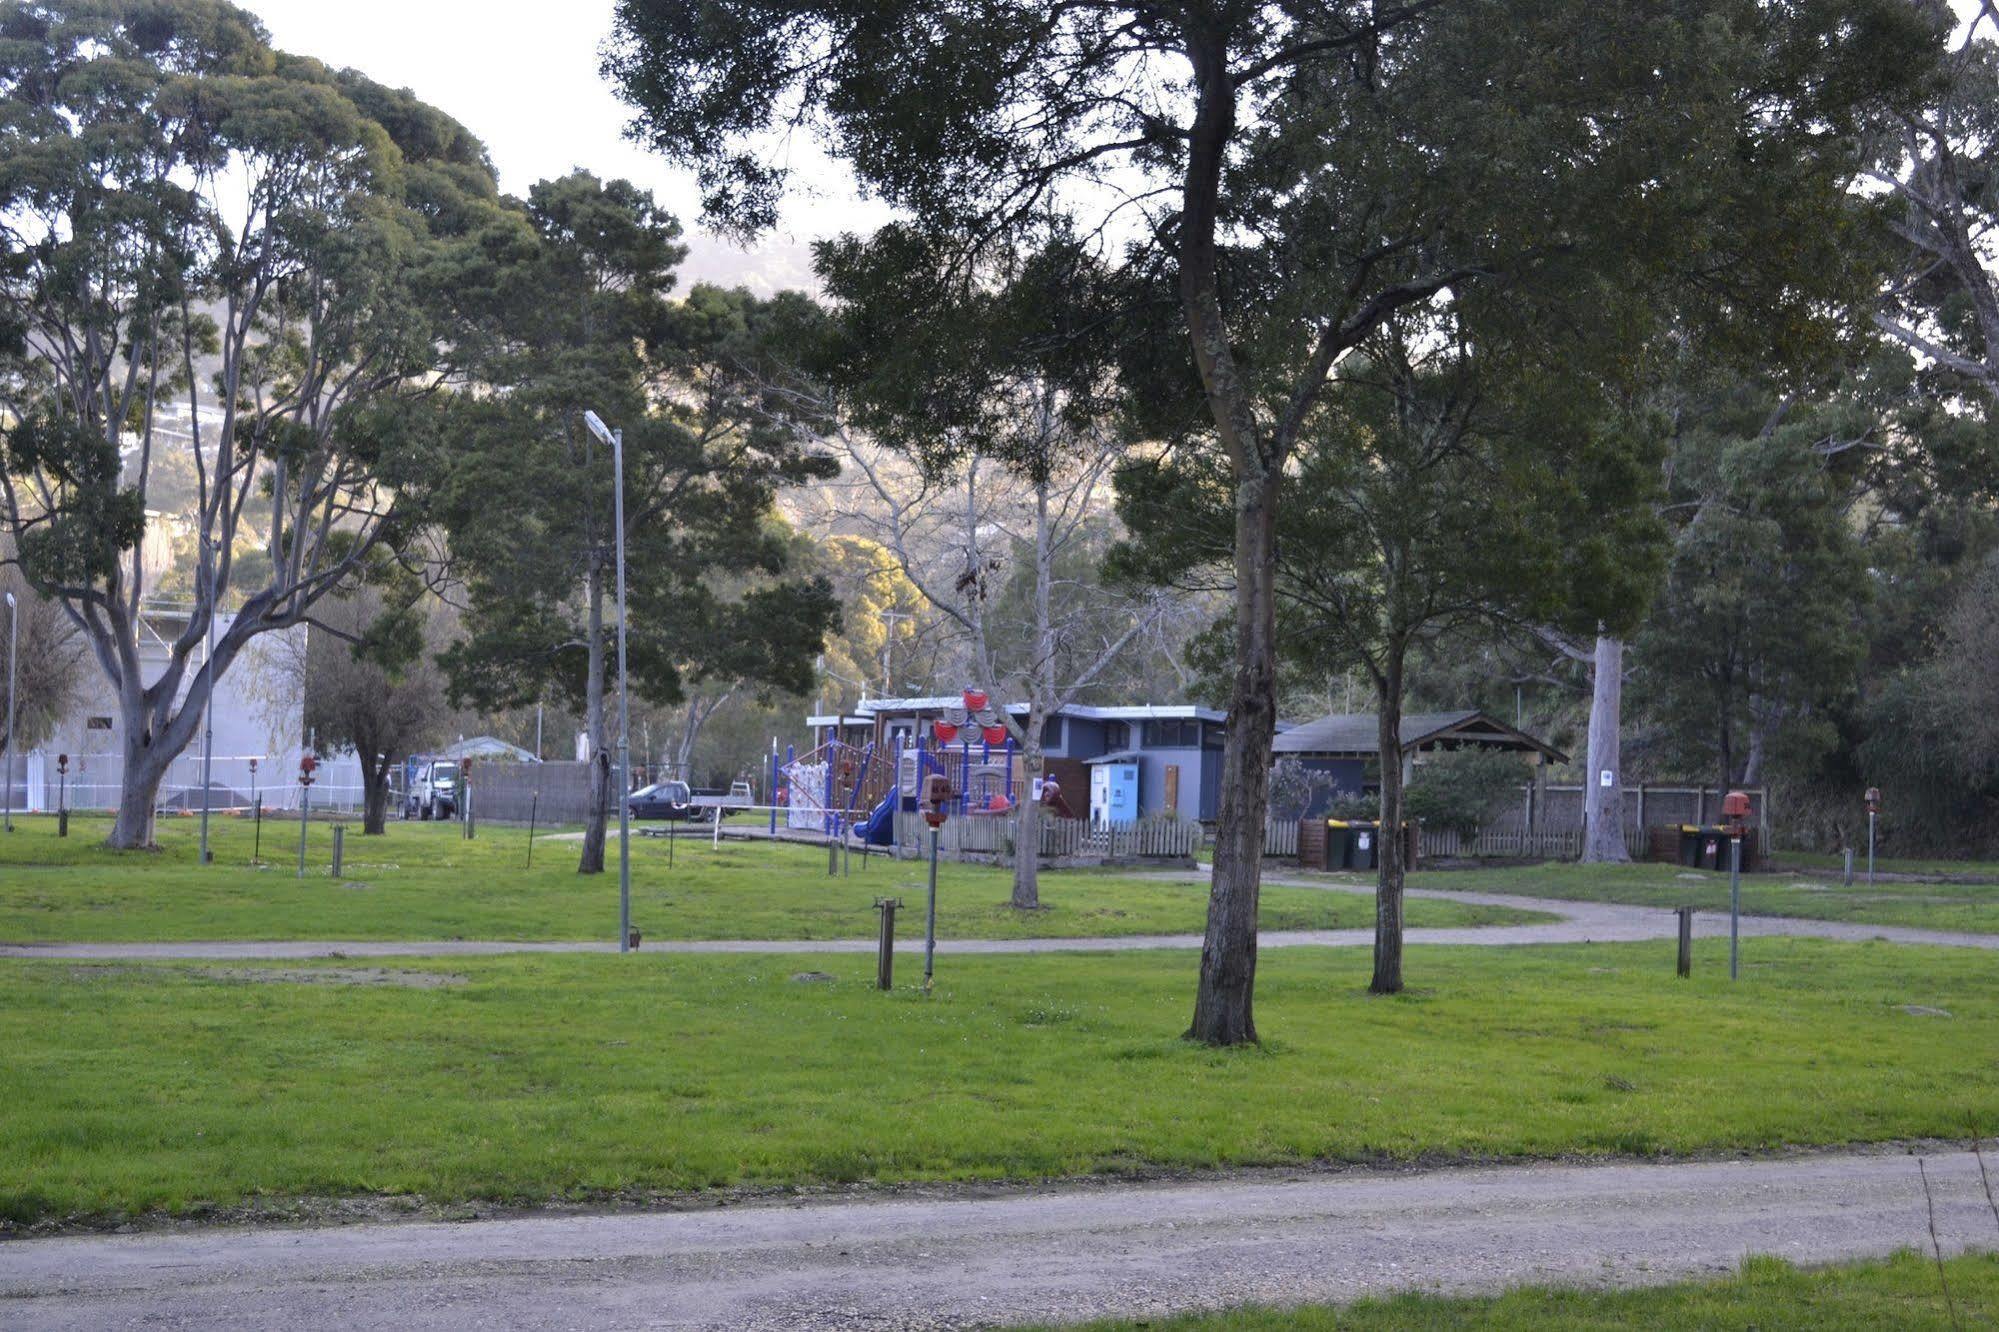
column 665, row 800
column 433, row 789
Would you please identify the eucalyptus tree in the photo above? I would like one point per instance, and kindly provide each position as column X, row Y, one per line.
column 1442, row 488
column 217, row 250
column 1280, row 179
column 583, row 321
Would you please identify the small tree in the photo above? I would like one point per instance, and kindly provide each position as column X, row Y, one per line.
column 372, row 685
column 50, row 660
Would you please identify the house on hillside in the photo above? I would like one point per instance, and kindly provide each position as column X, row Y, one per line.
column 1126, row 762
column 1347, row 745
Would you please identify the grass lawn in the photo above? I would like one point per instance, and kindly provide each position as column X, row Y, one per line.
column 1899, row 1292
column 178, row 1086
column 424, row 881
column 1965, row 869
column 1932, row 906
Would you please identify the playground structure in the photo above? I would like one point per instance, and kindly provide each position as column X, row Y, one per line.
column 839, row 788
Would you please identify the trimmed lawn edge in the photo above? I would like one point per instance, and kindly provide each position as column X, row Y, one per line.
column 308, row 1212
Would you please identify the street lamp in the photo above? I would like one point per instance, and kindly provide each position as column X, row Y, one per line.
column 616, row 439
column 13, row 677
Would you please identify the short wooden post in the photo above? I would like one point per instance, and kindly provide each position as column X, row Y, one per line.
column 885, row 945
column 1686, row 915
column 339, row 847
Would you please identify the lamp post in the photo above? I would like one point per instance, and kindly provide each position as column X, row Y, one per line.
column 13, row 678
column 1873, row 813
column 616, row 439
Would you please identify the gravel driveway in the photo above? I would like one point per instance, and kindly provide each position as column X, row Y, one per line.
column 1060, row 1253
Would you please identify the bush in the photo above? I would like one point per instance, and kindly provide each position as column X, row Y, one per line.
column 1460, row 790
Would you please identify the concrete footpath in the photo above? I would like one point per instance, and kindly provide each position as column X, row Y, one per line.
column 1060, row 1253
column 1575, row 922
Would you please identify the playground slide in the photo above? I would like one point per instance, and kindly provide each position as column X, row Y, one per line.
column 879, row 830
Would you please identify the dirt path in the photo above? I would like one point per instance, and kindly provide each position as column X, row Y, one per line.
column 1579, row 922
column 1060, row 1253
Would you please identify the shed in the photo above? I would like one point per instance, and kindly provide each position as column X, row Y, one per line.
column 1345, row 743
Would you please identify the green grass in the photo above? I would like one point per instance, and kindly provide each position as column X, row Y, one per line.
column 424, row 881
column 1966, row 869
column 1933, row 906
column 1898, row 1292
column 178, row 1086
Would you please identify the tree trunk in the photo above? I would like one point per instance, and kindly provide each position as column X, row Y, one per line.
column 1223, row 1005
column 375, row 798
column 1027, row 825
column 1603, row 805
column 592, row 859
column 138, row 794
column 1388, row 839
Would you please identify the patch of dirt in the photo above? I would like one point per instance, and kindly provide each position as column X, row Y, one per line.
column 412, row 980
column 1924, row 1010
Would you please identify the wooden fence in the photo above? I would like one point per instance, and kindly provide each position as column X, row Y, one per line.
column 1496, row 842
column 1153, row 837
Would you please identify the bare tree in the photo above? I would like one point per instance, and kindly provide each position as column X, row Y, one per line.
column 961, row 540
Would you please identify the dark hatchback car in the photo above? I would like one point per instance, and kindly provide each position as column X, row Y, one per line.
column 665, row 800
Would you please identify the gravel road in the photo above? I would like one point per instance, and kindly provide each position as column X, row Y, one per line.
column 1577, row 922
column 1051, row 1254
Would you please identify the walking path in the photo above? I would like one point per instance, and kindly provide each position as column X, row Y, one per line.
column 1062, row 1253
column 1579, row 922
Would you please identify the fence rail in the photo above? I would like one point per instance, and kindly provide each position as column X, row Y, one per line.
column 1497, row 842
column 1154, row 837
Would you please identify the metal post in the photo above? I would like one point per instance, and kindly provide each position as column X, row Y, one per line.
column 1686, row 915
column 13, row 676
column 773, row 786
column 62, row 796
column 208, row 714
column 304, row 812
column 1870, row 848
column 624, row 706
column 257, row 841
column 930, row 921
column 1734, row 905
column 534, row 808
column 885, row 946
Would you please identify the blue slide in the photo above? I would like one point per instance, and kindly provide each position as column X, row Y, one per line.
column 879, row 830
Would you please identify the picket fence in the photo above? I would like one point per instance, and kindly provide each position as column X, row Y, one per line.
column 1498, row 842
column 1153, row 837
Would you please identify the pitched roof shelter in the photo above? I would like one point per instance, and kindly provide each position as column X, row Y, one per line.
column 1356, row 735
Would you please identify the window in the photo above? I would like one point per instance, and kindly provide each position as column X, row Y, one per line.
column 1213, row 735
column 98, row 724
column 1173, row 733
column 1117, row 735
column 1051, row 733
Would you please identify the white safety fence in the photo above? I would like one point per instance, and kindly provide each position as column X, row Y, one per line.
column 94, row 781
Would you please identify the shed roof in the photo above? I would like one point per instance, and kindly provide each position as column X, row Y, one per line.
column 1358, row 734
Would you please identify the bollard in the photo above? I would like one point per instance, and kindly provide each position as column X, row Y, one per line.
column 339, row 847
column 1686, row 915
column 885, row 948
column 832, row 857
column 534, row 807
column 257, row 838
column 1847, row 877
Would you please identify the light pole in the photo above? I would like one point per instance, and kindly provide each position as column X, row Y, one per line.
column 616, row 439
column 208, row 716
column 13, row 678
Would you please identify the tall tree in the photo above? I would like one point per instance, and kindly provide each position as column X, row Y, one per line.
column 584, row 323
column 215, row 248
column 1442, row 488
column 1281, row 179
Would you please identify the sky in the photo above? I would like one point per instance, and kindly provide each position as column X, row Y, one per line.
column 523, row 77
